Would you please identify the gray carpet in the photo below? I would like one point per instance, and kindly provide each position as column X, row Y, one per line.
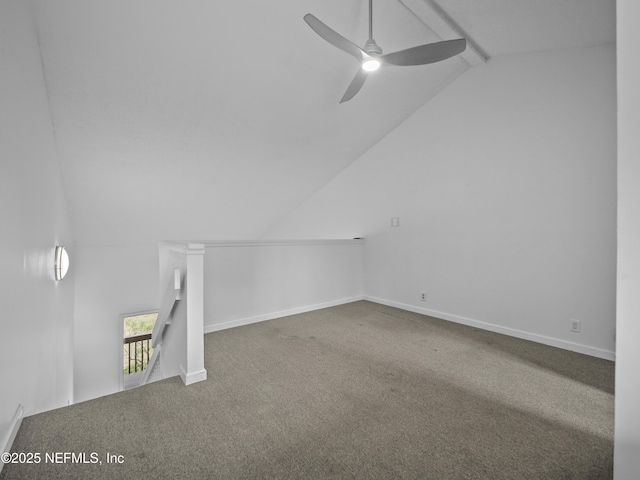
column 359, row 391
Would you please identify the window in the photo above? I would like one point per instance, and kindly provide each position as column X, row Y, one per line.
column 137, row 350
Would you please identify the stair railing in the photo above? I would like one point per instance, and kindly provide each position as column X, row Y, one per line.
column 172, row 294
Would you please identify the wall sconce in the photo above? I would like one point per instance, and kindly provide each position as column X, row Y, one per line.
column 62, row 263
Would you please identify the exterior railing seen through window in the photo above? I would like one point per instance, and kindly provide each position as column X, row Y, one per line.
column 137, row 352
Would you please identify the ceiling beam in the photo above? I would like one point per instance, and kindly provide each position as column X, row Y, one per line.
column 437, row 20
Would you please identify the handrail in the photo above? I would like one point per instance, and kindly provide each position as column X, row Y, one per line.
column 137, row 338
column 171, row 296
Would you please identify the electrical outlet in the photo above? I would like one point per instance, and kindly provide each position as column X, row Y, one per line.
column 423, row 297
column 575, row 326
column 395, row 222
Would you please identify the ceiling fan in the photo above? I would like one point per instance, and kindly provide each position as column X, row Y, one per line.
column 371, row 58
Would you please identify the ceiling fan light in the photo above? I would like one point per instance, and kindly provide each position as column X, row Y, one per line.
column 371, row 64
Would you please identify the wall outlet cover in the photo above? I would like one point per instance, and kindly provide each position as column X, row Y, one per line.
column 575, row 326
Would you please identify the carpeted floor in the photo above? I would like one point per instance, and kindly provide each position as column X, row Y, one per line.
column 359, row 391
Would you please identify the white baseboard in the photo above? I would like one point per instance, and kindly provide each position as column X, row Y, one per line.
column 7, row 443
column 282, row 313
column 193, row 377
column 512, row 332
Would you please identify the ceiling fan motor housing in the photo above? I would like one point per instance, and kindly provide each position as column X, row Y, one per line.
column 372, row 48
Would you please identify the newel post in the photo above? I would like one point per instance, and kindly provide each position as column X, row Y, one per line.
column 195, row 371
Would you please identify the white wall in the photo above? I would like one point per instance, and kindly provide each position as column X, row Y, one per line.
column 505, row 188
column 36, row 326
column 251, row 282
column 110, row 282
column 627, row 436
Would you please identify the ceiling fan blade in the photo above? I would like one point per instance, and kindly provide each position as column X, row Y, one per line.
column 424, row 54
column 354, row 86
column 333, row 37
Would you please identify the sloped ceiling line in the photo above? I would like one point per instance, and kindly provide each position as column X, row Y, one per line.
column 442, row 25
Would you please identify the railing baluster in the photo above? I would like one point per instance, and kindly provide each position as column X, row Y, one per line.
column 136, row 341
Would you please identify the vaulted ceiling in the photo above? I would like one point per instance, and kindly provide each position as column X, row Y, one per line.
column 211, row 120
